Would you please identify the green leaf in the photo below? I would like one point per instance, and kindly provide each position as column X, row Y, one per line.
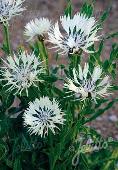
column 105, row 15
column 4, row 48
column 114, row 87
column 100, row 102
column 106, row 65
column 114, row 52
column 112, row 35
column 99, row 52
column 101, row 111
column 68, row 10
column 59, row 92
column 5, row 125
column 3, row 149
column 35, row 48
column 85, row 161
column 87, row 9
column 10, row 100
column 50, row 79
column 110, row 164
column 17, row 164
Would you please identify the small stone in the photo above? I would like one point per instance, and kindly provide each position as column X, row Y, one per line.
column 99, row 118
column 116, row 137
column 98, row 131
column 113, row 118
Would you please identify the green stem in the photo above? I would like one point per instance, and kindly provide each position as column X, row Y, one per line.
column 52, row 163
column 7, row 39
column 44, row 55
column 75, row 59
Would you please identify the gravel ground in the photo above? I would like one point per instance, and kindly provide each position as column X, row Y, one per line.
column 107, row 124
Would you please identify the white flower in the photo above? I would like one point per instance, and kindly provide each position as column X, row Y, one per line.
column 10, row 8
column 21, row 72
column 42, row 115
column 80, row 33
column 37, row 27
column 87, row 84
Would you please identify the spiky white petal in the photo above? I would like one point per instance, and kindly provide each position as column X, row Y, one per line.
column 86, row 70
column 10, row 8
column 71, row 86
column 80, row 33
column 96, row 73
column 21, row 71
column 37, row 27
column 42, row 115
column 88, row 84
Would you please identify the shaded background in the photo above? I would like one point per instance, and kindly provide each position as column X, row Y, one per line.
column 107, row 124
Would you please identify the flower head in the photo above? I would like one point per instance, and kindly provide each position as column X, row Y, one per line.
column 37, row 27
column 21, row 72
column 80, row 33
column 10, row 8
column 87, row 84
column 42, row 115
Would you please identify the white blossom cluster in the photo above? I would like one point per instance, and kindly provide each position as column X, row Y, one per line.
column 42, row 115
column 69, row 35
column 86, row 84
column 10, row 8
column 80, row 33
column 22, row 71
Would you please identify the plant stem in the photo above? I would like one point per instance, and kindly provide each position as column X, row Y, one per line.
column 75, row 59
column 44, row 55
column 7, row 40
column 52, row 162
